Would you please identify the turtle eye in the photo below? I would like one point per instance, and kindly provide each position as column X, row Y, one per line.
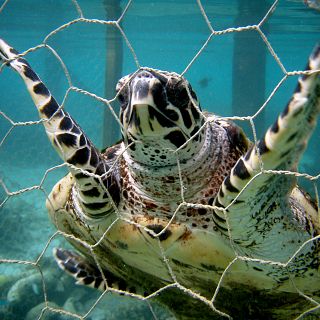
column 179, row 97
column 178, row 94
column 121, row 98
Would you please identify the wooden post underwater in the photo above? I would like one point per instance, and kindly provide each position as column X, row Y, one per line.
column 249, row 62
column 114, row 59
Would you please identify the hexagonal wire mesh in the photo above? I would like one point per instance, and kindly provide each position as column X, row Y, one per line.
column 66, row 43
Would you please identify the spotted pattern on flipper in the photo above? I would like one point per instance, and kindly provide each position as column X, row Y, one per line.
column 71, row 144
column 260, row 208
column 87, row 274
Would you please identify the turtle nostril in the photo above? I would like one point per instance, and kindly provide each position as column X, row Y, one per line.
column 144, row 74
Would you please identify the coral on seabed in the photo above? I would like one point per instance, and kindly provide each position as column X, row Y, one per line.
column 23, row 298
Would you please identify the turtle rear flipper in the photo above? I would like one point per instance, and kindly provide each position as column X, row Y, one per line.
column 78, row 267
column 261, row 214
column 92, row 198
column 88, row 274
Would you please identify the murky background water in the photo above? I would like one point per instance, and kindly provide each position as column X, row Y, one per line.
column 233, row 76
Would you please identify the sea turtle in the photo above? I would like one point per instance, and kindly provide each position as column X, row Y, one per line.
column 185, row 201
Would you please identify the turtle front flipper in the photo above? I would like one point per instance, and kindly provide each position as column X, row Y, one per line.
column 262, row 211
column 89, row 275
column 95, row 197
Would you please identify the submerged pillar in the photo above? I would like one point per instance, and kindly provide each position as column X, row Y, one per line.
column 114, row 59
column 249, row 62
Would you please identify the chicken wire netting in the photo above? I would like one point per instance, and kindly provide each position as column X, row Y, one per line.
column 31, row 285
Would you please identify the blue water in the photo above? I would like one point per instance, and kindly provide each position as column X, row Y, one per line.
column 164, row 35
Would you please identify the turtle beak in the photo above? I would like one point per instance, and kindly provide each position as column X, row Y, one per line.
column 141, row 88
column 145, row 89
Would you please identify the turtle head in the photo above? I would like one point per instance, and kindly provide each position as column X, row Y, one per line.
column 158, row 114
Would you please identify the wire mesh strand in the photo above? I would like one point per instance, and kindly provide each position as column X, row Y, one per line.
column 107, row 103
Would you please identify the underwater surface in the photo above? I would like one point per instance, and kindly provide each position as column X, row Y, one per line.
column 233, row 75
